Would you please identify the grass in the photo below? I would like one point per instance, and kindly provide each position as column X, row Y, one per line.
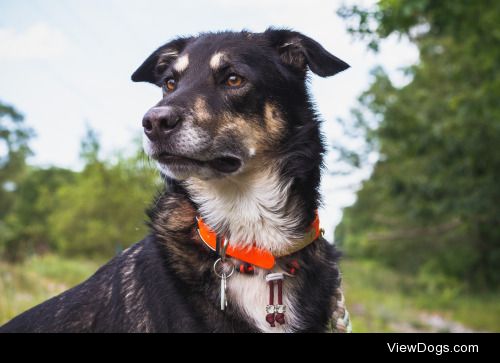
column 25, row 285
column 379, row 299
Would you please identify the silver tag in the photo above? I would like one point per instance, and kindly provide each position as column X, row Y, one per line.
column 223, row 270
column 223, row 287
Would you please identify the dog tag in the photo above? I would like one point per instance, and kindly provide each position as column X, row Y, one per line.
column 223, row 288
column 223, row 270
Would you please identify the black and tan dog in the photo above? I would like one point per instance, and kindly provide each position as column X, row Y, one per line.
column 238, row 142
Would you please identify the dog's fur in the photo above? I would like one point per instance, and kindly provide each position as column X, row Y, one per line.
column 247, row 157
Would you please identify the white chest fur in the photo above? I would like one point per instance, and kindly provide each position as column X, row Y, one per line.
column 248, row 208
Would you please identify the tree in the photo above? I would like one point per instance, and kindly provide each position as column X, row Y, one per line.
column 95, row 212
column 27, row 229
column 102, row 211
column 432, row 205
column 90, row 146
column 14, row 149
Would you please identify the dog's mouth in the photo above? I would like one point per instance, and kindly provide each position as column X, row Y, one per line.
column 224, row 164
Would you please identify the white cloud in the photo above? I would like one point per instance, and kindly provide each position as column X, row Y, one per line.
column 39, row 41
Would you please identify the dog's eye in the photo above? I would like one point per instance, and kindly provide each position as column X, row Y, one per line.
column 170, row 85
column 234, row 80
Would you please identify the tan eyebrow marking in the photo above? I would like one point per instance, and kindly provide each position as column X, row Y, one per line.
column 216, row 60
column 182, row 63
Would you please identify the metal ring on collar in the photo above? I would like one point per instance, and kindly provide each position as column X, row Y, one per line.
column 219, row 274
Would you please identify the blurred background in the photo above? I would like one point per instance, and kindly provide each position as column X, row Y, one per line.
column 411, row 191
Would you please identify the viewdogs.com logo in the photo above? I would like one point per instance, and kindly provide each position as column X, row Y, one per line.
column 437, row 349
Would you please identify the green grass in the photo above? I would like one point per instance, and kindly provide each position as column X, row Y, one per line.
column 37, row 279
column 480, row 312
column 381, row 300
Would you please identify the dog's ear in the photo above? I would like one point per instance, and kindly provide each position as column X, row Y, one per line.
column 300, row 51
column 152, row 68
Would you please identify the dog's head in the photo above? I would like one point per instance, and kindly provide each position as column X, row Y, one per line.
column 228, row 98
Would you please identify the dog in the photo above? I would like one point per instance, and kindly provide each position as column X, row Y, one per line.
column 234, row 243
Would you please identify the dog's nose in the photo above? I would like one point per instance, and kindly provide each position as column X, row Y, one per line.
column 159, row 121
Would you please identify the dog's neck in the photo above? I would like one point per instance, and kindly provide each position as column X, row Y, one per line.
column 259, row 205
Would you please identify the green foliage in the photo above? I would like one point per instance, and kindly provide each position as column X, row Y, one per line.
column 26, row 229
column 90, row 146
column 102, row 212
column 96, row 212
column 380, row 299
column 14, row 149
column 432, row 205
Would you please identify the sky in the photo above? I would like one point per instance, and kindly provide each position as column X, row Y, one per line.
column 65, row 64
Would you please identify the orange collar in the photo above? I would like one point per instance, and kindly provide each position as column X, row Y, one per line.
column 257, row 256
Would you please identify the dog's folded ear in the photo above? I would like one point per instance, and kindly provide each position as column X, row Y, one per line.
column 300, row 51
column 152, row 68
